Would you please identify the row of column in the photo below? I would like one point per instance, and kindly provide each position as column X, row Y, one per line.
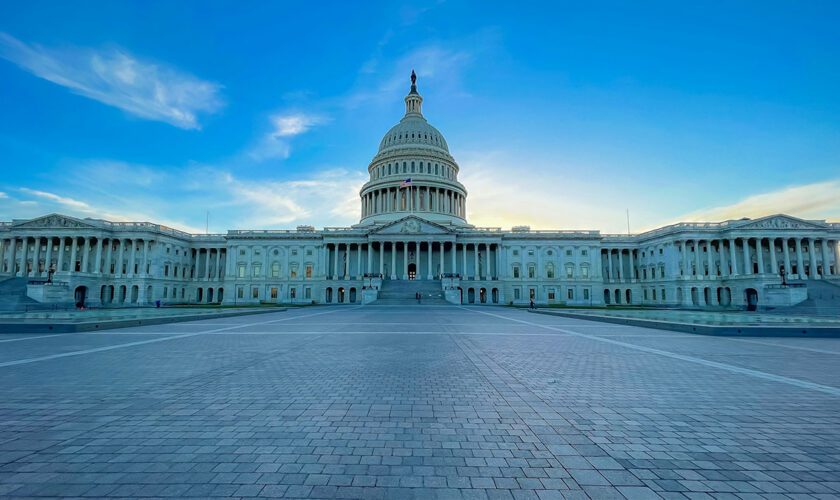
column 723, row 256
column 209, row 256
column 483, row 265
column 21, row 256
column 413, row 199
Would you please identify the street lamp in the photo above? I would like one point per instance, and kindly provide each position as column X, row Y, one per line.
column 50, row 273
column 782, row 272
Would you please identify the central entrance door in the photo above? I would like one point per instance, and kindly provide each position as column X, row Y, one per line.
column 412, row 271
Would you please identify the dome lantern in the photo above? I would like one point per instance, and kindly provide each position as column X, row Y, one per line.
column 413, row 101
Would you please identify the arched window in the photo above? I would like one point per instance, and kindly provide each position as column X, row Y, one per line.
column 549, row 270
column 256, row 267
column 275, row 269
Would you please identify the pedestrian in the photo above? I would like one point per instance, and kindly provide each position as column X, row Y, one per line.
column 157, row 304
column 532, row 306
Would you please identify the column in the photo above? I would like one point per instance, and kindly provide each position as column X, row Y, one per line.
column 36, row 257
column 74, row 245
column 86, row 254
column 454, row 255
column 109, row 259
column 610, row 266
column 381, row 246
column 800, row 264
column 812, row 254
column 724, row 269
column 335, row 261
column 475, row 259
column 368, row 247
column 218, row 274
column 759, row 249
column 358, row 261
column 774, row 264
column 405, row 260
column 748, row 269
column 97, row 265
column 120, row 268
column 709, row 260
column 698, row 273
column 59, row 264
column 826, row 262
column 207, row 262
column 13, row 256
column 836, row 247
column 132, row 258
column 786, row 253
column 431, row 273
column 48, row 258
column 684, row 251
column 733, row 257
column 393, row 260
column 464, row 268
column 146, row 265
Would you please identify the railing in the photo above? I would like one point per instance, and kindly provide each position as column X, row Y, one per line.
column 787, row 285
column 47, row 282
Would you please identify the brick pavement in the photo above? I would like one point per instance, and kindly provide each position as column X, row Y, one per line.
column 417, row 402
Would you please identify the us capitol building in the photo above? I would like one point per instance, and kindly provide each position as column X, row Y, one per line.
column 413, row 236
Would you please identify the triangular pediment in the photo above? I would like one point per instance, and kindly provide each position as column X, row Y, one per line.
column 781, row 221
column 411, row 225
column 53, row 221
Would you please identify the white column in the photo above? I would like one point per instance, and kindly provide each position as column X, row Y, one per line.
column 393, row 260
column 36, row 257
column 146, row 265
column 748, row 269
column 684, row 251
column 74, row 245
column 475, row 261
column 109, row 259
column 733, row 257
column 218, row 274
column 132, row 257
column 812, row 254
column 59, row 264
column 709, row 260
column 800, row 263
column 825, row 260
column 207, row 262
column 405, row 260
column 464, row 253
column 48, row 258
column 381, row 246
column 786, row 254
column 774, row 263
column 454, row 257
column 442, row 258
column 13, row 256
column 759, row 248
column 610, row 266
column 97, row 265
column 430, row 273
column 368, row 247
column 358, row 261
column 698, row 272
column 836, row 248
column 724, row 269
column 335, row 261
column 120, row 268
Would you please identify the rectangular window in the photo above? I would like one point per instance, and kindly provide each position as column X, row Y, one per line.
column 550, row 294
column 292, row 292
column 532, row 271
column 570, row 272
column 241, row 272
column 240, row 293
column 568, row 253
column 275, row 270
column 516, row 293
column 584, row 272
column 570, row 294
column 255, row 293
column 294, row 251
column 531, row 253
column 515, row 271
column 515, row 253
column 274, row 293
column 584, row 253
column 257, row 269
column 309, row 252
column 166, row 270
column 241, row 251
column 165, row 292
column 585, row 294
column 309, row 271
column 307, row 293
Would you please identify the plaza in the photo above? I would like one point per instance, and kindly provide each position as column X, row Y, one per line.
column 369, row 402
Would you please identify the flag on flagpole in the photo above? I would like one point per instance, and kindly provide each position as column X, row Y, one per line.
column 406, row 183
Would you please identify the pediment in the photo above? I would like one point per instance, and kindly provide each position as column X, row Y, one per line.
column 781, row 222
column 53, row 221
column 412, row 226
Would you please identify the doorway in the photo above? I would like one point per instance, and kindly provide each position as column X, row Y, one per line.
column 752, row 299
column 80, row 295
column 412, row 271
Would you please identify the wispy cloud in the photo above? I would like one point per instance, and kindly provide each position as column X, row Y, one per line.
column 283, row 127
column 114, row 77
column 818, row 200
column 60, row 200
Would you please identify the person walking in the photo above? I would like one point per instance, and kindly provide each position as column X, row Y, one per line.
column 533, row 305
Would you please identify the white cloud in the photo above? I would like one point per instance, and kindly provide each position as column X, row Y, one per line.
column 114, row 77
column 820, row 200
column 60, row 200
column 275, row 143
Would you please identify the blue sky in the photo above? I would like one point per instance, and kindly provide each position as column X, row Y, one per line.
column 561, row 115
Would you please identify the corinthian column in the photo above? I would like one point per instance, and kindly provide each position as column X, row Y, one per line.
column 800, row 263
column 774, row 264
column 748, row 269
column 812, row 254
column 786, row 254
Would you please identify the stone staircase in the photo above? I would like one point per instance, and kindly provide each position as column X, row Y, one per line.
column 401, row 292
column 823, row 300
column 13, row 296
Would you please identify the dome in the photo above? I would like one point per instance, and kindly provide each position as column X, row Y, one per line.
column 411, row 132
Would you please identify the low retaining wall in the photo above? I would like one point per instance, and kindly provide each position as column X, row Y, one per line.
column 802, row 330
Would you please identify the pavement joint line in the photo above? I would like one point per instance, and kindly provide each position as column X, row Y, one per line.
column 834, row 391
column 799, row 348
column 143, row 342
column 17, row 339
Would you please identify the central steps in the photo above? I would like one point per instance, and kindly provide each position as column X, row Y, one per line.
column 401, row 292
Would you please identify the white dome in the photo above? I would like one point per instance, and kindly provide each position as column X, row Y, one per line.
column 411, row 132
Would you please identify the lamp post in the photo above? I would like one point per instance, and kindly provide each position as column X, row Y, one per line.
column 783, row 273
column 50, row 273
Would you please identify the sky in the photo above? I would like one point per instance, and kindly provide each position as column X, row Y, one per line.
column 561, row 115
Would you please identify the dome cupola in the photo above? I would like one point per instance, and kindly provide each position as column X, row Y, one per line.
column 413, row 172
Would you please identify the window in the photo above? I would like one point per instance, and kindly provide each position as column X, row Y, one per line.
column 274, row 292
column 293, row 292
column 240, row 293
column 550, row 294
column 255, row 293
column 584, row 253
column 515, row 271
column 293, row 271
column 241, row 272
column 570, row 271
column 307, row 293
column 516, row 293
column 165, row 292
column 568, row 253
column 549, row 271
column 584, row 272
column 585, row 294
column 308, row 271
column 309, row 252
column 570, row 294
column 515, row 252
column 550, row 252
column 257, row 268
column 294, row 251
column 531, row 253
column 532, row 271
column 241, row 251
column 275, row 270
column 257, row 251
column 276, row 252
column 166, row 270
